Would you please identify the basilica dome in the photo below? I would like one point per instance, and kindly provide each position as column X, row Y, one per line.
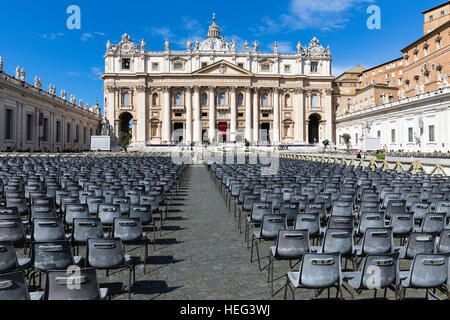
column 214, row 42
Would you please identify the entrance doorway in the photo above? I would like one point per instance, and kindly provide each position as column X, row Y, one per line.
column 126, row 124
column 313, row 131
column 265, row 132
column 222, row 128
column 178, row 132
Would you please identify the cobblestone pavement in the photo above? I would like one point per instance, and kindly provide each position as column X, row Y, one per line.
column 202, row 256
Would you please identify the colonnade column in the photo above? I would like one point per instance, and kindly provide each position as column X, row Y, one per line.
column 212, row 115
column 167, row 136
column 233, row 125
column 329, row 115
column 299, row 128
column 197, row 116
column 248, row 114
column 141, row 115
column 188, row 115
column 256, row 115
column 276, row 115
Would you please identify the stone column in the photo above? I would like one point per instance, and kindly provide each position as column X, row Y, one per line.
column 188, row 115
column 248, row 114
column 328, row 104
column 212, row 115
column 197, row 116
column 141, row 113
column 167, row 125
column 299, row 126
column 256, row 115
column 233, row 125
column 276, row 115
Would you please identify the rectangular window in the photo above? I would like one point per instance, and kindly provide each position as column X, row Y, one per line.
column 240, row 115
column 204, row 64
column 314, row 67
column 126, row 62
column 155, row 66
column 45, row 129
column 9, row 124
column 431, row 133
column 178, row 66
column 69, row 133
column 265, row 115
column 379, row 134
column 287, row 68
column 241, row 65
column 265, row 67
column 58, row 131
column 178, row 114
column 400, row 81
column 393, row 135
column 30, row 127
column 204, row 114
column 442, row 13
column 431, row 18
column 340, row 140
column 356, row 138
column 410, row 135
column 84, row 135
column 90, row 132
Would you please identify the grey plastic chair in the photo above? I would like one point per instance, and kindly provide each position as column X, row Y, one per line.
column 76, row 211
column 338, row 240
column 84, row 229
column 443, row 244
column 433, row 223
column 290, row 245
column 108, row 212
column 82, row 285
column 310, row 222
column 402, row 225
column 342, row 209
column 418, row 242
column 376, row 241
column 386, row 269
column 428, row 271
column 9, row 261
column 370, row 220
column 13, row 287
column 290, row 210
column 318, row 271
column 108, row 254
column 270, row 227
column 259, row 210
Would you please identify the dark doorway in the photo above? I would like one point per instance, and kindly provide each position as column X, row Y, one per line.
column 265, row 132
column 205, row 137
column 126, row 122
column 178, row 132
column 313, row 132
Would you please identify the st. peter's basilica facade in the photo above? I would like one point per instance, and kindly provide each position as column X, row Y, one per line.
column 211, row 92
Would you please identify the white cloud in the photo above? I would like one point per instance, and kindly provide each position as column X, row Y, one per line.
column 91, row 35
column 52, row 36
column 283, row 47
column 305, row 14
column 163, row 32
column 73, row 74
column 95, row 73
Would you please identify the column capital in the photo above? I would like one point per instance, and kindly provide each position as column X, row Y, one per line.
column 277, row 90
column 141, row 89
column 166, row 89
column 212, row 89
column 196, row 89
column 300, row 91
column 248, row 89
column 188, row 89
column 233, row 89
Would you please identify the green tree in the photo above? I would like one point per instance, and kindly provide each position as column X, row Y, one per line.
column 124, row 140
column 347, row 140
column 326, row 143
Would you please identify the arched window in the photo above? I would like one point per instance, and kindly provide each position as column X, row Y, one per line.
column 155, row 99
column 204, row 99
column 126, row 99
column 314, row 101
column 287, row 100
column 265, row 100
column 178, row 99
column 240, row 99
column 222, row 99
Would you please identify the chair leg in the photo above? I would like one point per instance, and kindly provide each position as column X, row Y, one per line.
column 257, row 254
column 145, row 256
column 129, row 283
column 286, row 287
column 251, row 250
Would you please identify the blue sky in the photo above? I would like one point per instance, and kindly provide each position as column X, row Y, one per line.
column 35, row 36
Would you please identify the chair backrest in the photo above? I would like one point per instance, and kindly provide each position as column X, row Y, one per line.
column 271, row 226
column 419, row 242
column 369, row 206
column 47, row 230
column 93, row 203
column 105, row 253
column 19, row 203
column 308, row 221
column 292, row 244
column 13, row 287
column 84, row 229
column 443, row 245
column 76, row 211
column 420, row 209
column 378, row 241
column 338, row 222
column 127, row 229
column 82, row 285
column 108, row 212
column 370, row 220
column 12, row 230
column 433, row 223
column 387, row 271
column 38, row 212
column 9, row 213
column 260, row 209
column 290, row 209
column 394, row 205
column 342, row 208
column 429, row 270
column 143, row 212
column 443, row 206
column 338, row 240
column 8, row 257
column 320, row 270
column 316, row 208
column 402, row 223
column 124, row 204
column 55, row 255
